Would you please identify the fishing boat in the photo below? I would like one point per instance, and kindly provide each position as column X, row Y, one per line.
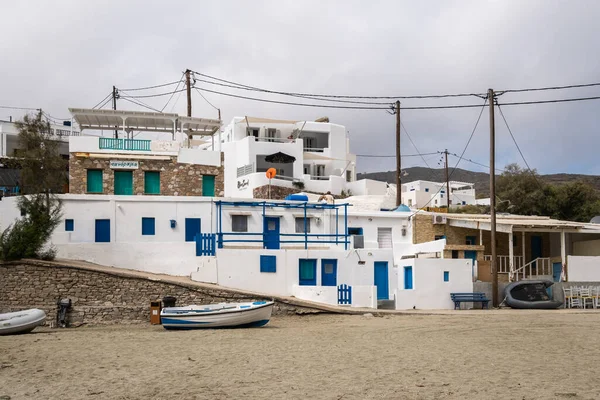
column 530, row 295
column 21, row 321
column 222, row 315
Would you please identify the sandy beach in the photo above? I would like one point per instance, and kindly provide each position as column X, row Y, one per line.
column 464, row 355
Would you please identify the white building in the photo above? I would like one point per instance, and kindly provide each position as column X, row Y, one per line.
column 311, row 156
column 9, row 137
column 419, row 194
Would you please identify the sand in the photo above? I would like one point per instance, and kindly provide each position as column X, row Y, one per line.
column 462, row 355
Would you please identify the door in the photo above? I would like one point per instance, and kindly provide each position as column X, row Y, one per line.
column 124, row 182
column 102, row 230
column 208, row 185
column 536, row 250
column 471, row 254
column 271, row 233
column 307, row 272
column 328, row 272
column 192, row 228
column 556, row 271
column 381, row 280
column 408, row 278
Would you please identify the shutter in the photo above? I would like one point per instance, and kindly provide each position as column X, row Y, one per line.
column 208, row 185
column 94, row 181
column 152, row 182
column 384, row 238
column 123, row 182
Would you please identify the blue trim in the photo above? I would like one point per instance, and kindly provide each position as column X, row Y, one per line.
column 310, row 272
column 381, row 279
column 408, row 278
column 176, row 321
column 446, row 276
column 344, row 294
column 193, row 226
column 69, row 225
column 255, row 324
column 329, row 279
column 268, row 264
column 148, row 226
column 102, row 230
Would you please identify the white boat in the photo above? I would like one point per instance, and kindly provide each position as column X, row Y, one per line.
column 222, row 315
column 21, row 321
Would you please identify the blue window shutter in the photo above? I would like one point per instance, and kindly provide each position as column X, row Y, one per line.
column 151, row 182
column 268, row 263
column 446, row 276
column 94, row 181
column 69, row 225
column 148, row 226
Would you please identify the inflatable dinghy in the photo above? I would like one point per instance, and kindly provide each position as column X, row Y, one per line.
column 21, row 321
column 530, row 295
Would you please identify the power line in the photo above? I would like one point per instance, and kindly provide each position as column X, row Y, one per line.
column 476, row 163
column 108, row 100
column 403, row 155
column 140, row 104
column 415, row 146
column 147, row 96
column 339, row 96
column 550, row 101
column 549, row 88
column 205, row 99
column 172, row 94
column 518, row 148
column 20, row 108
column 153, row 87
column 458, row 162
column 102, row 101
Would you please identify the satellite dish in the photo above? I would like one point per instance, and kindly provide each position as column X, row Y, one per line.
column 595, row 220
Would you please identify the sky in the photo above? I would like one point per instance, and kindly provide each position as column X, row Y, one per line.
column 62, row 54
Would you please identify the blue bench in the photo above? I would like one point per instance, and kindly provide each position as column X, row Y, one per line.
column 476, row 297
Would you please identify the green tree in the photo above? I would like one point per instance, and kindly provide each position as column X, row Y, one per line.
column 43, row 174
column 573, row 201
column 521, row 192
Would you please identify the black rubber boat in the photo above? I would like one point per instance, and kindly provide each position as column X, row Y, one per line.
column 530, row 295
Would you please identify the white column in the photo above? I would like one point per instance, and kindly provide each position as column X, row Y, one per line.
column 563, row 255
column 511, row 257
column 481, row 237
column 219, row 142
column 3, row 145
column 124, row 131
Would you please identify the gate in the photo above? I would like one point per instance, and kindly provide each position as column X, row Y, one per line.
column 344, row 294
column 205, row 244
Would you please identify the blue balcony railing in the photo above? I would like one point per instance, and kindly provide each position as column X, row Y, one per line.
column 124, row 144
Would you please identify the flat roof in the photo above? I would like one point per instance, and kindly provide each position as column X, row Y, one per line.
column 88, row 118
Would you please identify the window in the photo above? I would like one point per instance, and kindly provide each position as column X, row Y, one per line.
column 252, row 132
column 454, row 253
column 441, row 196
column 307, row 272
column 515, row 241
column 471, row 241
column 300, row 225
column 148, row 226
column 152, row 182
column 94, row 181
column 427, row 189
column 410, row 202
column 355, row 231
column 408, row 278
column 239, row 223
column 446, row 276
column 69, row 225
column 270, row 134
column 348, row 176
column 320, row 170
column 464, row 203
column 439, row 237
column 435, row 201
column 268, row 263
column 124, row 182
column 384, row 238
column 306, row 169
column 208, row 185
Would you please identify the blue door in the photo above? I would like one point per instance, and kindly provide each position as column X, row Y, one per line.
column 307, row 272
column 192, row 228
column 408, row 278
column 536, row 249
column 381, row 280
column 271, row 233
column 556, row 271
column 472, row 255
column 103, row 230
column 329, row 272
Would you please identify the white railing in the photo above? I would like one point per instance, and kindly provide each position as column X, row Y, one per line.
column 539, row 266
column 503, row 263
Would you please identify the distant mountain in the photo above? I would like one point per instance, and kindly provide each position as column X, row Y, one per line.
column 480, row 179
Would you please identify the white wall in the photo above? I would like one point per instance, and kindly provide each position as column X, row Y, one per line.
column 91, row 144
column 319, row 294
column 583, row 269
column 199, row 157
column 429, row 289
column 367, row 187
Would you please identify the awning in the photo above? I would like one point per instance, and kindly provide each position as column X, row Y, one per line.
column 313, row 156
column 280, row 158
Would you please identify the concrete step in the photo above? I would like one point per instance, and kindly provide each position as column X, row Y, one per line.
column 386, row 305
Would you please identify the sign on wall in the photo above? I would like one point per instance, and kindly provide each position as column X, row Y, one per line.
column 122, row 164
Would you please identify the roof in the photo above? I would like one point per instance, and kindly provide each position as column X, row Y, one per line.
column 88, row 118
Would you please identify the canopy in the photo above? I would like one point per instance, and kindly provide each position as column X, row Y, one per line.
column 280, row 158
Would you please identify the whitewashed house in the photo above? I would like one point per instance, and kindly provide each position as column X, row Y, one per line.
column 419, row 194
column 9, row 137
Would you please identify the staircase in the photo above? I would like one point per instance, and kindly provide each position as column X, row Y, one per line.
column 533, row 269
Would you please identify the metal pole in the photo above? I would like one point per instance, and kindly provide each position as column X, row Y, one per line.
column 114, row 95
column 398, row 161
column 493, row 198
column 305, row 230
column 447, row 182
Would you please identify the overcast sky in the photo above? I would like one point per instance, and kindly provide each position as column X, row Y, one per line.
column 60, row 54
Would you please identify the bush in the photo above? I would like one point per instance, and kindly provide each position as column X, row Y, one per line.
column 27, row 237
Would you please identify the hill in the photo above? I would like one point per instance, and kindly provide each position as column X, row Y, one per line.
column 480, row 179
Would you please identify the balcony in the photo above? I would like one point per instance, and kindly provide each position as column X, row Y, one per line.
column 124, row 144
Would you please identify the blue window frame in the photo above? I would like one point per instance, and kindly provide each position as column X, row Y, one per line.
column 69, row 225
column 439, row 237
column 446, row 276
column 148, row 226
column 307, row 270
column 268, row 263
column 102, row 231
column 355, row 231
column 427, row 189
column 408, row 278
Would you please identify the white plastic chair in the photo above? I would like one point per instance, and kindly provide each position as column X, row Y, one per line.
column 575, row 298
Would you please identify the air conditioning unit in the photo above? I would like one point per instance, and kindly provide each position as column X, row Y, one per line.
column 358, row 241
column 439, row 219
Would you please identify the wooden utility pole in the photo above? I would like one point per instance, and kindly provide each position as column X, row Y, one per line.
column 494, row 263
column 398, row 160
column 189, row 92
column 114, row 95
column 447, row 183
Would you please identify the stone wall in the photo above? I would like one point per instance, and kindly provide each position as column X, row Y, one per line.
column 103, row 297
column 176, row 179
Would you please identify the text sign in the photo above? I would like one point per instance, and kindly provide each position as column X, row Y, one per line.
column 118, row 164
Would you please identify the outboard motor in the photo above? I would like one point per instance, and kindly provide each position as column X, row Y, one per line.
column 61, row 315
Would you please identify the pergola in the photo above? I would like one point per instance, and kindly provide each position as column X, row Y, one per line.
column 129, row 121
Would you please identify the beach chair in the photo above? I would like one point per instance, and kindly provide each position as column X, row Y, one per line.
column 586, row 296
column 575, row 298
column 567, row 293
